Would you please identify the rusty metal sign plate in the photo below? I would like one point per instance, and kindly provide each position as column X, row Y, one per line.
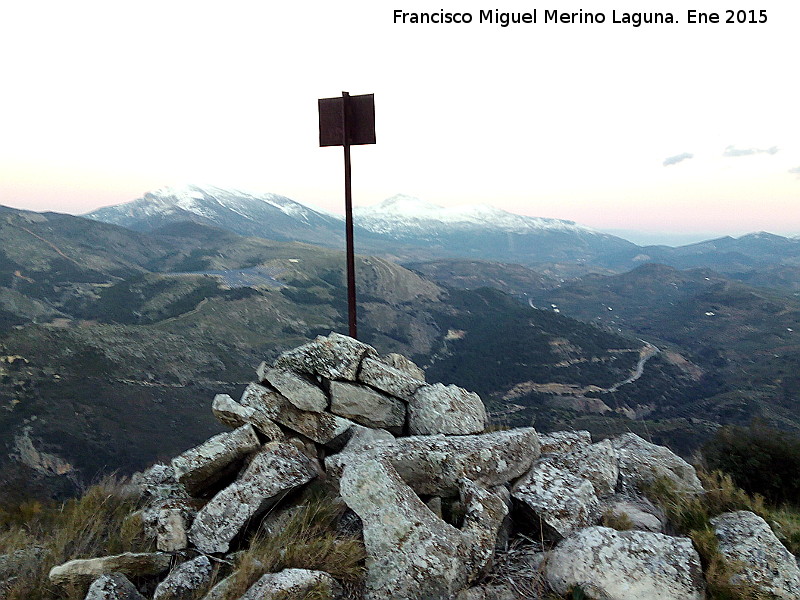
column 360, row 120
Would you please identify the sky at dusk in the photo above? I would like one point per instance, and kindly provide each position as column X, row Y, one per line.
column 674, row 128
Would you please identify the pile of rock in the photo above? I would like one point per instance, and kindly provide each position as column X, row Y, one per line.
column 434, row 494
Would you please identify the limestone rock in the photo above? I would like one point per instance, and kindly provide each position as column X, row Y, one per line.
column 182, row 583
column 488, row 592
column 642, row 514
column 384, row 377
column 323, row 428
column 641, row 462
column 435, row 506
column 334, row 357
column 114, row 586
column 158, row 482
column 299, row 389
column 231, row 413
column 173, row 519
column 746, row 540
column 596, row 462
column 367, row 407
column 561, row 501
column 293, row 584
column 433, row 465
column 445, row 409
column 221, row 590
column 410, row 552
column 366, row 437
column 277, row 469
column 484, row 513
column 404, row 365
column 205, row 464
column 564, row 441
column 626, row 565
column 82, row 571
column 507, row 526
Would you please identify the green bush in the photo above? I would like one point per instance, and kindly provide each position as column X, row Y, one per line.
column 760, row 459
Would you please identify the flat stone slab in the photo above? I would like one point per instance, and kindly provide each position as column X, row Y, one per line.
column 387, row 378
column 411, row 553
column 367, row 407
column 626, row 565
column 450, row 410
column 323, row 428
column 432, row 465
column 201, row 466
column 277, row 469
column 760, row 559
column 562, row 501
column 334, row 357
column 130, row 564
column 297, row 388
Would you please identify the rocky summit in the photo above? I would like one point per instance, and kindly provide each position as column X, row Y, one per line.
column 442, row 506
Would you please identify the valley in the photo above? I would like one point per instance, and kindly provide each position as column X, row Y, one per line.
column 113, row 340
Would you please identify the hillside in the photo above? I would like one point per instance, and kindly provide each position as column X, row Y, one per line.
column 112, row 337
column 344, row 474
column 409, row 230
column 726, row 255
column 107, row 371
column 266, row 215
column 515, row 280
column 742, row 338
column 400, row 228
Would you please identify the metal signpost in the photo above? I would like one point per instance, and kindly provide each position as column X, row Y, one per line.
column 348, row 121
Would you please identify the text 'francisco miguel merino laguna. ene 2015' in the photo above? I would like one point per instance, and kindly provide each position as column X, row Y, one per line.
column 504, row 19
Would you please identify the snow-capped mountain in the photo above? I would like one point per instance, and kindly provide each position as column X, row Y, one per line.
column 402, row 215
column 401, row 227
column 484, row 232
column 266, row 215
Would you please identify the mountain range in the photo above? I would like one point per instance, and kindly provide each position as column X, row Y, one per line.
column 115, row 329
column 111, row 339
column 406, row 229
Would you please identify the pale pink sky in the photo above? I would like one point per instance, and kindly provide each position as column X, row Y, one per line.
column 102, row 102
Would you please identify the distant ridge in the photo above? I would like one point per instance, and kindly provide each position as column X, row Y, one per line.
column 407, row 229
column 402, row 213
column 269, row 216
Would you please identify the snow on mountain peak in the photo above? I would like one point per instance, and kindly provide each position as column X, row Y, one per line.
column 404, row 213
column 401, row 205
column 199, row 200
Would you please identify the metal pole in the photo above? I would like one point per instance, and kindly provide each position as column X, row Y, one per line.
column 348, row 208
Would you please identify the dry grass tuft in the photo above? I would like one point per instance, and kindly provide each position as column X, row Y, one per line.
column 308, row 541
column 785, row 522
column 42, row 536
column 618, row 521
column 690, row 515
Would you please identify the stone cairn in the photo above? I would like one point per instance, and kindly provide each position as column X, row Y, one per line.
column 402, row 454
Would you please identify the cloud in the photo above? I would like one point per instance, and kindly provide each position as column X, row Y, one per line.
column 731, row 151
column 674, row 160
column 795, row 170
